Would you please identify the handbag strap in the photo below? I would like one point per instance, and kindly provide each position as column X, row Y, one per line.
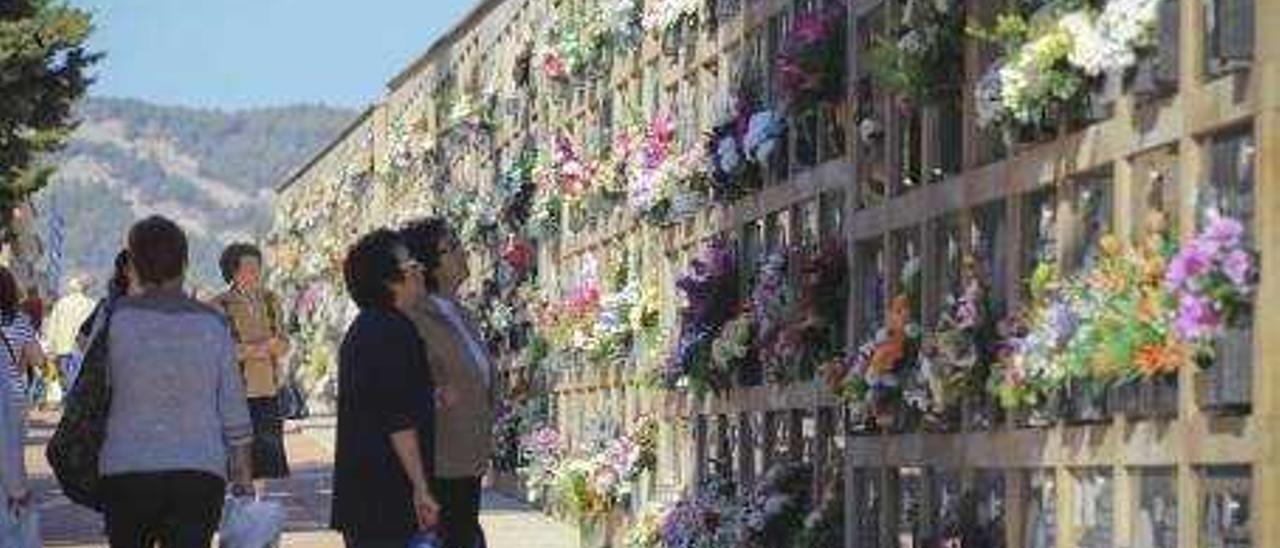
column 100, row 325
column 8, row 346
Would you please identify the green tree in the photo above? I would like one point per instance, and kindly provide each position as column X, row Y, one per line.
column 42, row 73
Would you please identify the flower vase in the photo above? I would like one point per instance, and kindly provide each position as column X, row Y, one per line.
column 1230, row 379
column 1159, row 396
column 979, row 413
column 1086, row 406
column 1125, row 398
column 749, row 372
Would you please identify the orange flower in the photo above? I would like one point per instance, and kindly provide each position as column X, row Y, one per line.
column 1160, row 358
column 886, row 356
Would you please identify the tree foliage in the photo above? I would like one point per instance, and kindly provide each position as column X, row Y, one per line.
column 43, row 60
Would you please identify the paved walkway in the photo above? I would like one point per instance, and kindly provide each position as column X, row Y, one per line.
column 507, row 523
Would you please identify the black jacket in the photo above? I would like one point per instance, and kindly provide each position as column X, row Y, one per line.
column 384, row 386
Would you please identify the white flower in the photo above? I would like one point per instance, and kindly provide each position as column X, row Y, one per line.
column 728, row 153
column 869, row 129
column 912, row 42
column 762, row 132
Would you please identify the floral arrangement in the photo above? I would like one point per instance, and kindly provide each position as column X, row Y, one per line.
column 736, row 167
column 954, row 355
column 766, row 130
column 1029, row 365
column 731, row 351
column 710, row 288
column 597, row 484
column 811, row 61
column 771, row 304
column 613, row 331
column 707, row 519
column 1050, row 58
column 663, row 15
column 776, row 509
column 881, row 373
column 544, row 220
column 543, row 450
column 651, row 184
column 1213, row 279
column 918, row 64
column 571, row 44
column 1107, row 325
column 814, row 321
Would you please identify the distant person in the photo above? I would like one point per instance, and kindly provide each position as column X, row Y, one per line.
column 256, row 326
column 13, row 470
column 63, row 329
column 33, row 305
column 20, row 351
column 464, row 374
column 178, row 424
column 123, row 282
column 383, row 454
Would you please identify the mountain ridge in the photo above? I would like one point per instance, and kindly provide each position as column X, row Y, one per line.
column 212, row 170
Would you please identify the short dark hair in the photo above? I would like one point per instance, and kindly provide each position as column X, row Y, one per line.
column 119, row 284
column 8, row 296
column 423, row 238
column 158, row 249
column 229, row 262
column 371, row 265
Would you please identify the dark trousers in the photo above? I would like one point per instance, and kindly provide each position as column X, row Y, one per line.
column 459, row 500
column 351, row 541
column 175, row 509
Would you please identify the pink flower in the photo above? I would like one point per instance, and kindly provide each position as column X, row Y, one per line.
column 1238, row 266
column 1197, row 318
column 1224, row 231
column 1192, row 261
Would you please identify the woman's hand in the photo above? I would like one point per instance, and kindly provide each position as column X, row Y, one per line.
column 426, row 508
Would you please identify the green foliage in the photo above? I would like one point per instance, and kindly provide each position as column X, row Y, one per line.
column 42, row 73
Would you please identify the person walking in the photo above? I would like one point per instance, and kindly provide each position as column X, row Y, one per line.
column 256, row 325
column 123, row 282
column 62, row 329
column 20, row 352
column 383, row 454
column 464, row 373
column 178, row 425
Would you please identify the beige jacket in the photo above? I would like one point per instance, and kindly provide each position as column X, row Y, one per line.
column 464, row 429
column 254, row 318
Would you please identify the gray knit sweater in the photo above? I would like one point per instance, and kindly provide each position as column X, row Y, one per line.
column 177, row 400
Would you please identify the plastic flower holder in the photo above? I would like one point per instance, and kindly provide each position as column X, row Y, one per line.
column 1086, row 405
column 979, row 412
column 1146, row 398
column 1227, row 385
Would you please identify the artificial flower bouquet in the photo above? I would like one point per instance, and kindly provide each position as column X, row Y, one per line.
column 1213, row 278
column 710, row 290
column 811, row 67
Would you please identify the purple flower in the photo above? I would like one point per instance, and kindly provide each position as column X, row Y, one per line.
column 1197, row 318
column 1238, row 266
column 1224, row 231
column 1193, row 260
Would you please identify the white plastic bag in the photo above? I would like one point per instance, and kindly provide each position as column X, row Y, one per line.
column 20, row 530
column 248, row 523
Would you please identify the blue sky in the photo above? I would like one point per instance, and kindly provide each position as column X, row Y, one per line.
column 247, row 53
